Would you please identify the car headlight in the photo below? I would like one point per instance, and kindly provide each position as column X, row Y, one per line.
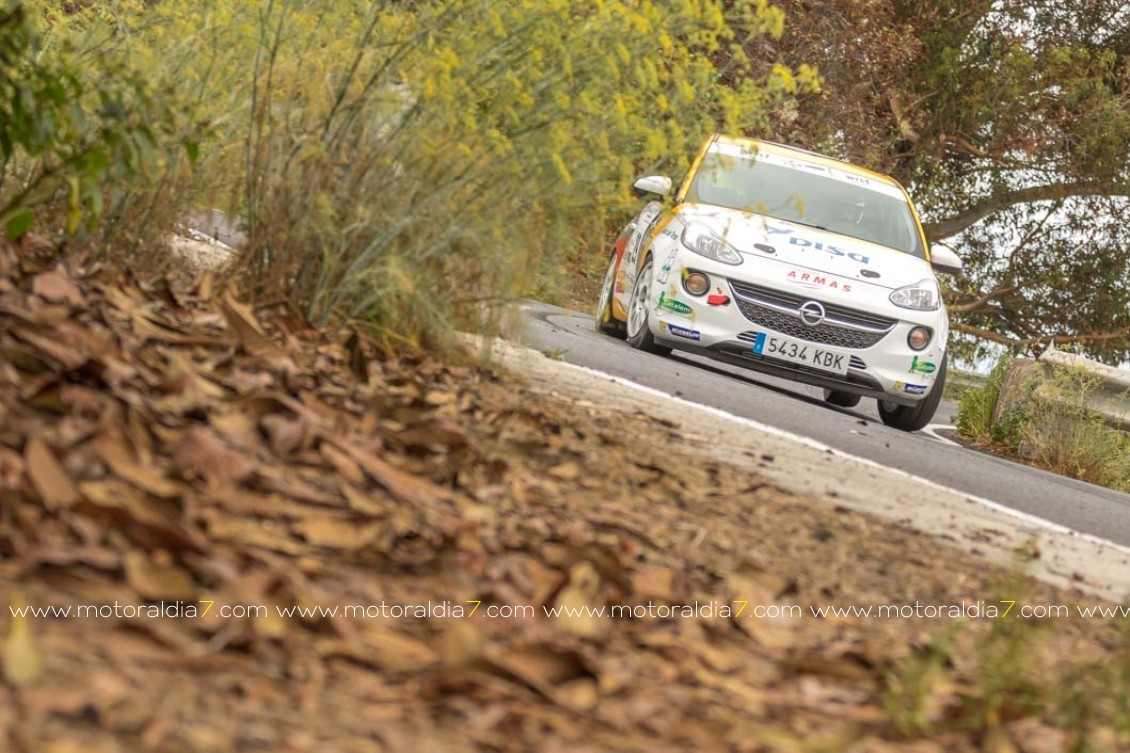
column 921, row 296
column 702, row 240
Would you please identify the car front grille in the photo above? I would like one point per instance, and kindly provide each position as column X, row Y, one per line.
column 780, row 311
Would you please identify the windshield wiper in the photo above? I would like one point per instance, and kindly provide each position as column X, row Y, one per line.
column 809, row 224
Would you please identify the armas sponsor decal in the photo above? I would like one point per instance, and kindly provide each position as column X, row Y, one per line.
column 814, row 280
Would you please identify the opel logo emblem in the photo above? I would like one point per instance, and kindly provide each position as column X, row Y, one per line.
column 811, row 313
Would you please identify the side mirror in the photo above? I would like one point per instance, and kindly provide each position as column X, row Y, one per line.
column 653, row 185
column 944, row 259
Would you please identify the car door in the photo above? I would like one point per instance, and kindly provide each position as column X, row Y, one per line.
column 645, row 225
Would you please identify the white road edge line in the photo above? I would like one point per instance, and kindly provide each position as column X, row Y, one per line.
column 1032, row 520
column 931, row 431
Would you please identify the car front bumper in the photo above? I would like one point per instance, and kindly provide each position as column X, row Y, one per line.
column 881, row 364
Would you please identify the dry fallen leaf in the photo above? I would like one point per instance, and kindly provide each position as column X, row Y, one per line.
column 57, row 286
column 407, row 487
column 203, row 453
column 48, row 477
column 114, row 451
column 338, row 533
column 158, row 582
column 23, row 656
column 997, row 740
column 286, row 434
column 580, row 595
column 249, row 334
column 128, row 509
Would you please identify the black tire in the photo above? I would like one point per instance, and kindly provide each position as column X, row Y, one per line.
column 915, row 417
column 842, row 399
column 639, row 311
column 605, row 322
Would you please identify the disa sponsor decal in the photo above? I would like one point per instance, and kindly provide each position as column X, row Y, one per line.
column 796, row 240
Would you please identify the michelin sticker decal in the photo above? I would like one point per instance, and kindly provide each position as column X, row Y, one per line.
column 689, row 334
column 913, row 389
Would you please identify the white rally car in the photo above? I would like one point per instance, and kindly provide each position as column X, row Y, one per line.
column 791, row 263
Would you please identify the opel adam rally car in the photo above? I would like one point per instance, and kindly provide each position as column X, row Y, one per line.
column 791, row 263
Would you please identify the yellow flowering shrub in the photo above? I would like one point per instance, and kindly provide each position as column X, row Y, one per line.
column 405, row 162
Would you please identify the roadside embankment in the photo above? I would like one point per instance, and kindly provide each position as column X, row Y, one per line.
column 226, row 530
column 1063, row 413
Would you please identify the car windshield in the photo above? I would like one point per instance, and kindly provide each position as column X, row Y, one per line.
column 807, row 193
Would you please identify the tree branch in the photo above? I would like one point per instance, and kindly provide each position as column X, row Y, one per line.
column 1012, row 342
column 980, row 210
column 976, row 303
column 971, row 305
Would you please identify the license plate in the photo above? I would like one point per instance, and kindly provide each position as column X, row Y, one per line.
column 799, row 351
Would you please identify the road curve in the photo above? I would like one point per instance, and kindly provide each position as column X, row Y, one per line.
column 799, row 409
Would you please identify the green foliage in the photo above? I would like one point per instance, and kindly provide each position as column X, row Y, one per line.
column 1009, row 678
column 1000, row 676
column 1061, row 434
column 911, row 689
column 1059, row 270
column 968, row 678
column 80, row 131
column 1009, row 121
column 975, row 407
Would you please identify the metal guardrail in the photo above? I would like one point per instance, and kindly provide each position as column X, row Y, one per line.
column 1110, row 396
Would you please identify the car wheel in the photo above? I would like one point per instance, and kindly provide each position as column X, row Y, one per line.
column 639, row 310
column 915, row 417
column 605, row 322
column 842, row 399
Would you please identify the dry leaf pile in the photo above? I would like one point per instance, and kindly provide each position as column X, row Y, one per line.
column 175, row 450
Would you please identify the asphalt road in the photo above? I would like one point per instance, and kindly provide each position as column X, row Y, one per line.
column 799, row 409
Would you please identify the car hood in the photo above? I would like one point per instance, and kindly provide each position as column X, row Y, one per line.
column 777, row 248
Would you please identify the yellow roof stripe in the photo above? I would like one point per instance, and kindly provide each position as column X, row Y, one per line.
column 801, row 154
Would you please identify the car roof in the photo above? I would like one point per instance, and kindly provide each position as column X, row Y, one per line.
column 805, row 154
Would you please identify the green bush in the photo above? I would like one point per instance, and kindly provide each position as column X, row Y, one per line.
column 82, row 135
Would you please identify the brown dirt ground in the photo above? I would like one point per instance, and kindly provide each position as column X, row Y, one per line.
column 183, row 449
